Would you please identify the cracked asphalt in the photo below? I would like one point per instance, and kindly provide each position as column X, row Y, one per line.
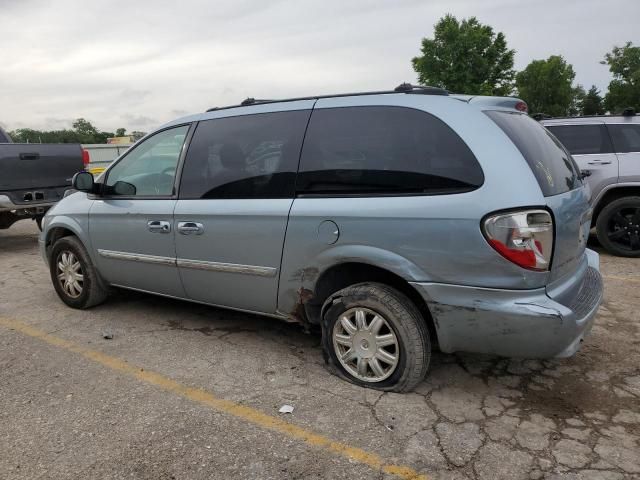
column 64, row 415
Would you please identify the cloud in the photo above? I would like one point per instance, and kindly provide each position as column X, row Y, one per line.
column 147, row 62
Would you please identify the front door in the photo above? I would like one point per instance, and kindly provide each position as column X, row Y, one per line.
column 131, row 223
column 236, row 191
column 590, row 146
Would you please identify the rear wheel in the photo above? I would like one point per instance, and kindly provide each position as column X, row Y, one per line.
column 374, row 336
column 618, row 227
column 74, row 277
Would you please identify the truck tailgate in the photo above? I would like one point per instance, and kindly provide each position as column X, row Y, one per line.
column 34, row 166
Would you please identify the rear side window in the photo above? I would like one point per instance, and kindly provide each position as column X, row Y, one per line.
column 550, row 162
column 626, row 138
column 384, row 150
column 249, row 156
column 583, row 139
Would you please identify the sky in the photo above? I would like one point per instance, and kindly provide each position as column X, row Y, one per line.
column 138, row 64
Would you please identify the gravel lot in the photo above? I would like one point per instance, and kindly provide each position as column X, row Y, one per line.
column 185, row 391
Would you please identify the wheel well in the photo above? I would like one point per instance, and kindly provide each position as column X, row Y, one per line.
column 610, row 196
column 341, row 276
column 56, row 234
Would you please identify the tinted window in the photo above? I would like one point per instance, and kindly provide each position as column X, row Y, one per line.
column 384, row 150
column 583, row 139
column 626, row 138
column 250, row 156
column 149, row 168
column 550, row 162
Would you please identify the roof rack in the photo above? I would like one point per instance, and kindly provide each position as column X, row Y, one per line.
column 629, row 112
column 402, row 88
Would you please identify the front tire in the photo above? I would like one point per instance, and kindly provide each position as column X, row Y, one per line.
column 374, row 336
column 618, row 227
column 74, row 276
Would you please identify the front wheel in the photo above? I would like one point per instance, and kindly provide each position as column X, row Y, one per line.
column 74, row 276
column 375, row 337
column 618, row 227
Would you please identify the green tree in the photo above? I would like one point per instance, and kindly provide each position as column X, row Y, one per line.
column 592, row 104
column 466, row 57
column 83, row 132
column 624, row 89
column 546, row 86
column 121, row 132
column 579, row 94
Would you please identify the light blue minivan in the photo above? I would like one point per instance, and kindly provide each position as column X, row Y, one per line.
column 397, row 221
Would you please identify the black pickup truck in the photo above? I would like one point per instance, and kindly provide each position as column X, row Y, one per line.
column 34, row 176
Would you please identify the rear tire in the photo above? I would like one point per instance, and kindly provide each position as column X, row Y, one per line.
column 618, row 227
column 74, row 276
column 375, row 337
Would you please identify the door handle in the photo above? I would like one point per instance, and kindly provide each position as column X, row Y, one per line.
column 159, row 226
column 188, row 228
column 599, row 162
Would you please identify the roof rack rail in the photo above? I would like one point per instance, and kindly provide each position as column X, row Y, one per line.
column 402, row 88
column 423, row 89
column 629, row 112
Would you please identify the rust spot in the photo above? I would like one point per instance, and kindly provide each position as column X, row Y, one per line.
column 299, row 314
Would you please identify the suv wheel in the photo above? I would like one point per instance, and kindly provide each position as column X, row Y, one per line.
column 74, row 277
column 375, row 337
column 618, row 227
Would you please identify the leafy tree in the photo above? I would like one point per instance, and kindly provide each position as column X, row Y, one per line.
column 579, row 94
column 546, row 86
column 624, row 89
column 83, row 132
column 466, row 57
column 592, row 103
column 84, row 127
column 121, row 132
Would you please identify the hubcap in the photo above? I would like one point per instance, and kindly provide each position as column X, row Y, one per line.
column 624, row 228
column 69, row 272
column 365, row 344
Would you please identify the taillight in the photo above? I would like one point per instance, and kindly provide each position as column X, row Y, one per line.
column 85, row 157
column 522, row 107
column 524, row 238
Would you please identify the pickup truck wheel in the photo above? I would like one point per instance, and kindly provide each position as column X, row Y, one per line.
column 375, row 337
column 618, row 227
column 74, row 277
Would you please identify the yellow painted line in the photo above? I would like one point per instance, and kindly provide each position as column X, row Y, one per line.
column 625, row 279
column 242, row 412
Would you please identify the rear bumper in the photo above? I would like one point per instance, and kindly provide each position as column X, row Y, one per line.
column 6, row 204
column 515, row 323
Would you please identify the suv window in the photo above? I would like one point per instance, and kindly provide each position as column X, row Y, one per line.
column 148, row 168
column 583, row 139
column 626, row 138
column 249, row 156
column 384, row 150
column 551, row 163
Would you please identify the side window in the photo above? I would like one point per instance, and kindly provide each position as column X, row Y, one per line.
column 583, row 139
column 626, row 138
column 249, row 156
column 384, row 150
column 149, row 168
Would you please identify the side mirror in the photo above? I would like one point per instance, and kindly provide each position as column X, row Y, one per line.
column 124, row 188
column 83, row 181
